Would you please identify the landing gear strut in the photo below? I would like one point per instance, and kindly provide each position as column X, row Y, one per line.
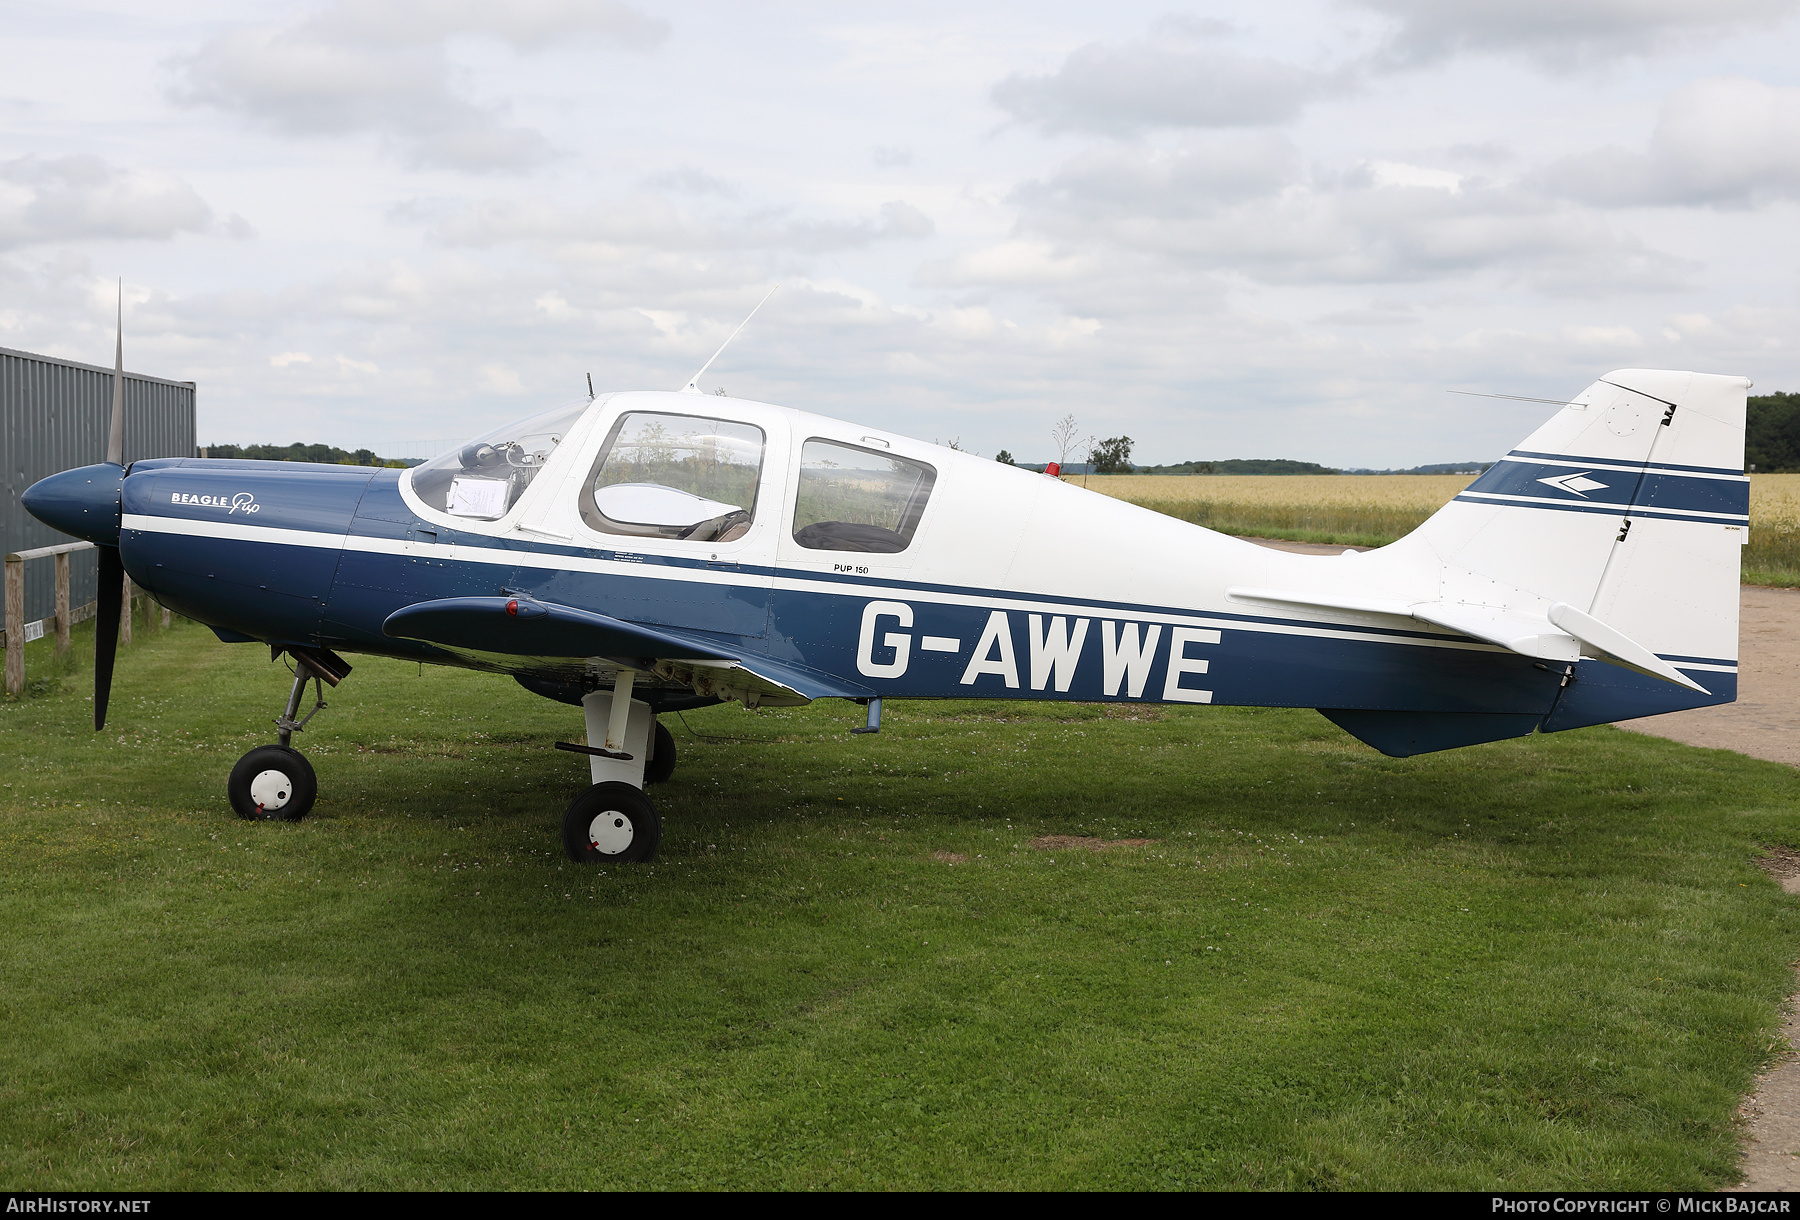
column 626, row 749
column 276, row 782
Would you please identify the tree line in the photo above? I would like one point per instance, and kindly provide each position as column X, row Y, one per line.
column 330, row 455
column 1772, row 434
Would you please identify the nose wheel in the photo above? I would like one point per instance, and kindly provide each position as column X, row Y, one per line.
column 272, row 783
column 611, row 822
column 276, row 783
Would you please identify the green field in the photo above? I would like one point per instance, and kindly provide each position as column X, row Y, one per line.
column 1547, row 963
column 1374, row 510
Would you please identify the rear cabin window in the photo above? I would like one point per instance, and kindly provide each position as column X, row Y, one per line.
column 692, row 477
column 854, row 499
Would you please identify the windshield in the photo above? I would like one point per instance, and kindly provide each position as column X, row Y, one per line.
column 484, row 478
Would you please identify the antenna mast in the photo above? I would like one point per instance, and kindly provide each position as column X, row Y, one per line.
column 693, row 383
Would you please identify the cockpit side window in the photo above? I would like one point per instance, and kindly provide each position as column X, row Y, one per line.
column 853, row 499
column 483, row 479
column 691, row 477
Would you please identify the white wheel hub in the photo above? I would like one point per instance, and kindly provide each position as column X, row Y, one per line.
column 271, row 790
column 610, row 833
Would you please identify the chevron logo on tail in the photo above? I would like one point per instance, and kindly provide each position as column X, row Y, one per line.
column 1580, row 484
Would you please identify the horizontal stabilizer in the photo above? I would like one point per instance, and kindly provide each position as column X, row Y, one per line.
column 1525, row 634
column 1617, row 647
column 521, row 627
column 1559, row 637
column 1320, row 601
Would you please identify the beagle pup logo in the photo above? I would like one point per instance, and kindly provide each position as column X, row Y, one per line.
column 242, row 502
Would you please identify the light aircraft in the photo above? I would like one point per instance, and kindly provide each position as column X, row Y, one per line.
column 644, row 552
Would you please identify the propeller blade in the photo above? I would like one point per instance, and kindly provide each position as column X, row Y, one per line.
column 106, row 628
column 115, row 436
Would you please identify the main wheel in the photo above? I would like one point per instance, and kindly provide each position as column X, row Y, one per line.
column 662, row 756
column 611, row 821
column 272, row 783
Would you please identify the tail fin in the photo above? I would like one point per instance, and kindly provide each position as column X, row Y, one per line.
column 1629, row 508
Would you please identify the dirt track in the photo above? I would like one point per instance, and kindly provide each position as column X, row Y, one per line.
column 1763, row 723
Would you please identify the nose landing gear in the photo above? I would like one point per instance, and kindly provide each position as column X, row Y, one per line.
column 276, row 782
column 272, row 782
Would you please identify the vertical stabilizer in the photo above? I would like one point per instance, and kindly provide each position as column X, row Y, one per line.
column 1630, row 505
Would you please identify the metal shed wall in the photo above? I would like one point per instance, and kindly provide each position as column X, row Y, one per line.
column 54, row 415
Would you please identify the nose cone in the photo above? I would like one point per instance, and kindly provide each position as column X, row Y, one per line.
column 83, row 502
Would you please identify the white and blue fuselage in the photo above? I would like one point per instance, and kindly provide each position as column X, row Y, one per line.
column 1009, row 585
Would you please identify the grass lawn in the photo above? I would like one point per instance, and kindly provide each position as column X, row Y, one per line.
column 1542, row 963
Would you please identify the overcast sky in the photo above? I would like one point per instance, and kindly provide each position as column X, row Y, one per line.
column 1225, row 229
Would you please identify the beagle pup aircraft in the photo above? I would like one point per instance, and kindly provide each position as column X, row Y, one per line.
column 639, row 553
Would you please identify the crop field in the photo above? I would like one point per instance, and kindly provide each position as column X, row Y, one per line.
column 998, row 945
column 1374, row 510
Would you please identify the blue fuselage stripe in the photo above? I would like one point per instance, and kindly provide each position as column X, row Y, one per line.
column 1587, row 461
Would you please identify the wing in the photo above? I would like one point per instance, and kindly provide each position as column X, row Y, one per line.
column 522, row 636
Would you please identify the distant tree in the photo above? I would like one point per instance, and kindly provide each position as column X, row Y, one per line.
column 297, row 452
column 721, row 392
column 954, row 442
column 1111, row 456
column 1772, row 437
column 1005, row 458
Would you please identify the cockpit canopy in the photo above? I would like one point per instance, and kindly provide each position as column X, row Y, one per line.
column 688, row 476
column 483, row 479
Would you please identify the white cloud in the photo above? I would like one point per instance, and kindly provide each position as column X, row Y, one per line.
column 382, row 66
column 1201, row 176
column 1399, row 173
column 653, row 222
column 82, row 197
column 1561, row 33
column 527, row 25
column 499, row 379
column 1722, row 141
column 1170, row 80
column 1010, row 264
column 1258, row 216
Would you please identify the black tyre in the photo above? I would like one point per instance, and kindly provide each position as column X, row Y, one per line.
column 272, row 783
column 611, row 822
column 662, row 756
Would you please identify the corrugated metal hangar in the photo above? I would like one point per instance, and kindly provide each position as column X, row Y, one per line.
column 54, row 415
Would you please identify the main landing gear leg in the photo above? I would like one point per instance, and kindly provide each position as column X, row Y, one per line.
column 614, row 820
column 276, row 782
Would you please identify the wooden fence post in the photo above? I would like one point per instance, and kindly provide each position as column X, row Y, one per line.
column 125, row 616
column 62, row 604
column 15, row 627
